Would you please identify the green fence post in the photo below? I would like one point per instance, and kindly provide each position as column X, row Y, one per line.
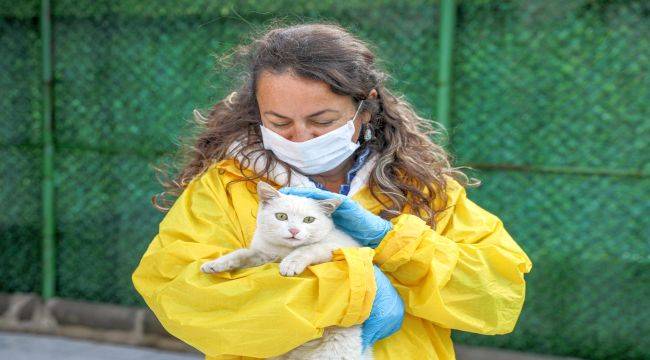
column 447, row 24
column 48, row 154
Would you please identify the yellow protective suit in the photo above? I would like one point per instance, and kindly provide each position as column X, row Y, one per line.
column 468, row 275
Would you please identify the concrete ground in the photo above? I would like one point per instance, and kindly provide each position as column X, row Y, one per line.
column 17, row 346
column 481, row 353
column 22, row 346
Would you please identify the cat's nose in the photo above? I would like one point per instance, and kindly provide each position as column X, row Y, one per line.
column 293, row 231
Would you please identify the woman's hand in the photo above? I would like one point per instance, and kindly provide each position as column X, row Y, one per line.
column 365, row 227
column 387, row 312
column 368, row 229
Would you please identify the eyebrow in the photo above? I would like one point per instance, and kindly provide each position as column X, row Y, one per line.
column 309, row 116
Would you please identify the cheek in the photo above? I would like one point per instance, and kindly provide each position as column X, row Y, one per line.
column 279, row 227
column 315, row 228
column 355, row 136
column 322, row 225
column 272, row 225
column 286, row 132
column 289, row 133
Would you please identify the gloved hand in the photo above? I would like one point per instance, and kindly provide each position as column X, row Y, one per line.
column 387, row 312
column 365, row 227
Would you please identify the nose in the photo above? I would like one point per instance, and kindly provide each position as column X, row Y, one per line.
column 293, row 231
column 300, row 134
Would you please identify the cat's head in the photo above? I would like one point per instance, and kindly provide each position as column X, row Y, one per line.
column 290, row 220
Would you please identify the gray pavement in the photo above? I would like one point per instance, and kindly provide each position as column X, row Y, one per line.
column 22, row 346
column 16, row 346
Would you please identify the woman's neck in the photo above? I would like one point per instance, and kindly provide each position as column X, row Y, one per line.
column 333, row 179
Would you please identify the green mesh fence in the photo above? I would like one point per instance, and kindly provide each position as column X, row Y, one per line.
column 549, row 104
column 552, row 100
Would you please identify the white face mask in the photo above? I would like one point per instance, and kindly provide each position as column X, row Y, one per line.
column 316, row 155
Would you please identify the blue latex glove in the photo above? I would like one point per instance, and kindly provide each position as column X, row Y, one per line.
column 365, row 227
column 387, row 312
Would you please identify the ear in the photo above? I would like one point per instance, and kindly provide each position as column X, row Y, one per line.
column 266, row 192
column 329, row 205
column 372, row 94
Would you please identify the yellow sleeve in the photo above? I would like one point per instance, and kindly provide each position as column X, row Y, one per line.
column 252, row 312
column 468, row 274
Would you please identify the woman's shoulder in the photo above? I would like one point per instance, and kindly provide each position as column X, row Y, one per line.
column 216, row 189
column 445, row 201
column 222, row 171
column 214, row 179
column 452, row 185
column 451, row 190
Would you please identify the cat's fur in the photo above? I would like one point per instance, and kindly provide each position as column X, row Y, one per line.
column 310, row 243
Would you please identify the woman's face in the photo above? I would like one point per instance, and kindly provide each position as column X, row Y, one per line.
column 301, row 109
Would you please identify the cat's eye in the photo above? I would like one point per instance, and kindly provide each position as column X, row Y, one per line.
column 308, row 219
column 281, row 216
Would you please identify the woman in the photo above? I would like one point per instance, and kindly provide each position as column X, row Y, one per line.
column 314, row 117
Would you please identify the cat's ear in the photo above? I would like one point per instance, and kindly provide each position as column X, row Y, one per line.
column 266, row 192
column 329, row 205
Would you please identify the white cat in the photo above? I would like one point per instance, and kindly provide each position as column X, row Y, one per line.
column 298, row 232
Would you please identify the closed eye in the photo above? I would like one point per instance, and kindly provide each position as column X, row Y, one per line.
column 323, row 123
column 316, row 123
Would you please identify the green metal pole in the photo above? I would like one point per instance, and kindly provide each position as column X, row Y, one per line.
column 447, row 24
column 48, row 154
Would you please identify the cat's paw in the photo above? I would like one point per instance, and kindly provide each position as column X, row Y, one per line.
column 218, row 265
column 292, row 266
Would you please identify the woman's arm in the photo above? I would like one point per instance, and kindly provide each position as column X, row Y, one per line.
column 468, row 274
column 253, row 312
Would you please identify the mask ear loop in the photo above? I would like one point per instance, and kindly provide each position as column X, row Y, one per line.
column 358, row 109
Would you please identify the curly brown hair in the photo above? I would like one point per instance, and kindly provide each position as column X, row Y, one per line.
column 410, row 164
